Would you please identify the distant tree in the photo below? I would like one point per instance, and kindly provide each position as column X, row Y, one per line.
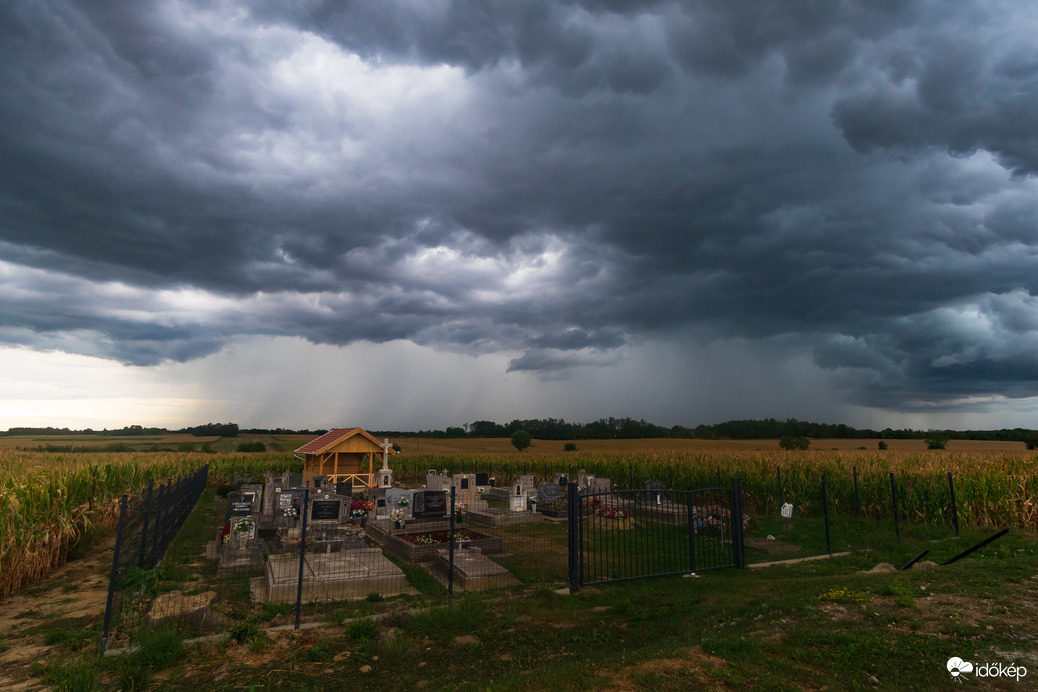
column 1031, row 440
column 455, row 432
column 520, row 440
column 882, row 444
column 936, row 442
column 791, row 442
column 569, row 447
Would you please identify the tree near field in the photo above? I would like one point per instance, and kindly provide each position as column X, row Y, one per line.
column 936, row 442
column 791, row 442
column 520, row 439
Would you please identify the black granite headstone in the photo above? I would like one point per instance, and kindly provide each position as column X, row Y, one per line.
column 344, row 488
column 325, row 510
column 430, row 504
column 238, row 505
column 482, row 479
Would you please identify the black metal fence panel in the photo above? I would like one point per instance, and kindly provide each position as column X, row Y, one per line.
column 147, row 525
column 634, row 534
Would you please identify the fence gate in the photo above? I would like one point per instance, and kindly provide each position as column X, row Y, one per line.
column 634, row 534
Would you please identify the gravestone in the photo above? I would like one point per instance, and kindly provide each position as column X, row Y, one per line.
column 395, row 495
column 255, row 490
column 601, row 485
column 526, row 481
column 653, row 491
column 548, row 492
column 271, row 495
column 241, row 480
column 434, row 481
column 319, row 481
column 465, row 490
column 562, row 479
column 430, row 504
column 328, row 508
column 344, row 488
column 482, row 479
column 295, row 479
column 238, row 505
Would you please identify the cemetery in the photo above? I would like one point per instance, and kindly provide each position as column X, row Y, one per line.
column 345, row 541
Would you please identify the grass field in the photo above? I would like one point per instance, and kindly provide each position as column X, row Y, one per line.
column 833, row 624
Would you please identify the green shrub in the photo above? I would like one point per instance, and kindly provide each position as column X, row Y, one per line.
column 790, row 442
column 569, row 447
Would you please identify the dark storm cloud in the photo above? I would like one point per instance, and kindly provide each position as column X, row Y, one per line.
column 562, row 180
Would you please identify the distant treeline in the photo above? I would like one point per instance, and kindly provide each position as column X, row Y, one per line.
column 766, row 429
column 601, row 429
column 207, row 430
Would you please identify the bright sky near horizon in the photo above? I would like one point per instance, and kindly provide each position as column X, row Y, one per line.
column 412, row 215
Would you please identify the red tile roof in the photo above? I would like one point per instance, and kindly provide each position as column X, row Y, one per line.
column 326, row 440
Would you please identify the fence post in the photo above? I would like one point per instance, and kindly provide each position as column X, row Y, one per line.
column 893, row 500
column 782, row 497
column 115, row 570
column 825, row 511
column 450, row 549
column 573, row 510
column 737, row 537
column 691, row 531
column 144, row 526
column 954, row 506
column 857, row 497
column 302, row 556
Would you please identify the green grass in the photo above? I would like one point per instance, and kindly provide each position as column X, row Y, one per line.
column 767, row 629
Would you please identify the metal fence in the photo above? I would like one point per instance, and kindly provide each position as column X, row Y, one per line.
column 634, row 534
column 147, row 525
column 274, row 553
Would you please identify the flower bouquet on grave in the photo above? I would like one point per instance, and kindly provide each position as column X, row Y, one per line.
column 403, row 502
column 291, row 513
column 243, row 526
column 397, row 517
column 614, row 519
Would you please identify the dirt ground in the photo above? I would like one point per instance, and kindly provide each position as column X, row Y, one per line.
column 72, row 594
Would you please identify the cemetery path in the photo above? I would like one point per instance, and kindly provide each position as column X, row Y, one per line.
column 73, row 596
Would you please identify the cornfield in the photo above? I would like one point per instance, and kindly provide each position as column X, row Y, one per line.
column 49, row 501
column 991, row 489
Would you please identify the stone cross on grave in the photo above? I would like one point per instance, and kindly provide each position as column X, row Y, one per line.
column 385, row 474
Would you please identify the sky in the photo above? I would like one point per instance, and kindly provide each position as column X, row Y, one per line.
column 407, row 214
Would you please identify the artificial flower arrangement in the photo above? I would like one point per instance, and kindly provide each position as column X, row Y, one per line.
column 244, row 526
column 360, row 508
column 291, row 512
column 397, row 515
column 612, row 513
column 403, row 502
